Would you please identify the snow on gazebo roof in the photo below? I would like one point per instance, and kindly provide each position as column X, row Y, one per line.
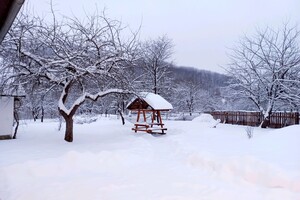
column 146, row 99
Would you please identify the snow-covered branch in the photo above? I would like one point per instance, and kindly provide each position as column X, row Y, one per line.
column 264, row 68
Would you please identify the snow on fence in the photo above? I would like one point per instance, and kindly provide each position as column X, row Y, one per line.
column 277, row 119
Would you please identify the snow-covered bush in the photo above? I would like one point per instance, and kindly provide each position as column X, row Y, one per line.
column 249, row 131
column 85, row 119
column 207, row 120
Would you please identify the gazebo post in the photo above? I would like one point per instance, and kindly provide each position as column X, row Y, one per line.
column 144, row 114
column 138, row 116
column 159, row 118
column 160, row 121
column 152, row 118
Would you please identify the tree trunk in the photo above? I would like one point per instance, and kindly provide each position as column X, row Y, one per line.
column 69, row 123
column 266, row 122
column 155, row 82
column 16, row 117
column 69, row 128
column 33, row 116
column 68, row 116
column 121, row 115
column 42, row 116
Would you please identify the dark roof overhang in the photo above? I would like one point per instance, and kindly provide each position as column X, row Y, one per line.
column 8, row 11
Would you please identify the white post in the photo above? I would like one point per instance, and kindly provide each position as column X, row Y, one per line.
column 6, row 115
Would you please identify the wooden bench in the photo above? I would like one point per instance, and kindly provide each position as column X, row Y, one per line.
column 148, row 128
column 156, row 130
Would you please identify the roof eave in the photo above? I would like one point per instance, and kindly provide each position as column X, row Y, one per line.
column 9, row 15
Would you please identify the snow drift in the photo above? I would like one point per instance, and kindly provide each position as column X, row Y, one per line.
column 108, row 161
column 206, row 120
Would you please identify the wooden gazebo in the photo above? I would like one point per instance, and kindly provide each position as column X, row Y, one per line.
column 151, row 103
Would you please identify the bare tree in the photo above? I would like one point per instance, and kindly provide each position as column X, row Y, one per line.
column 155, row 60
column 188, row 93
column 83, row 59
column 264, row 67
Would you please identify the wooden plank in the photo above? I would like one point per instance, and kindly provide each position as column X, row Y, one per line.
column 297, row 118
column 141, row 124
column 139, row 129
column 155, row 129
column 159, row 124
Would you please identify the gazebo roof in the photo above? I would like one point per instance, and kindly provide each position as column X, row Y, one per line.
column 148, row 99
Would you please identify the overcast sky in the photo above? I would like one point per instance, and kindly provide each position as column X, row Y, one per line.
column 201, row 30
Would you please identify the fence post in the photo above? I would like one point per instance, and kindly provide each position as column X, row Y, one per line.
column 297, row 118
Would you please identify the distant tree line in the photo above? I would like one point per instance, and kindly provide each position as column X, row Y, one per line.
column 89, row 67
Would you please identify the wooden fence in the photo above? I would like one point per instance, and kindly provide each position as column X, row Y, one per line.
column 277, row 119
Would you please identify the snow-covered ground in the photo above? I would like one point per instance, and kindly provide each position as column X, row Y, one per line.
column 108, row 161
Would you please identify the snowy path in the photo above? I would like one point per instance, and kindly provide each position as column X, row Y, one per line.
column 108, row 161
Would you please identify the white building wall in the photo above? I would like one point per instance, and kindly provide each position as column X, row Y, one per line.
column 6, row 115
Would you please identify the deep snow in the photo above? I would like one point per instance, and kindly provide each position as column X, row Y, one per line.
column 108, row 161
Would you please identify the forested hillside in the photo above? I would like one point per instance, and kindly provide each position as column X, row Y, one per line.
column 188, row 89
